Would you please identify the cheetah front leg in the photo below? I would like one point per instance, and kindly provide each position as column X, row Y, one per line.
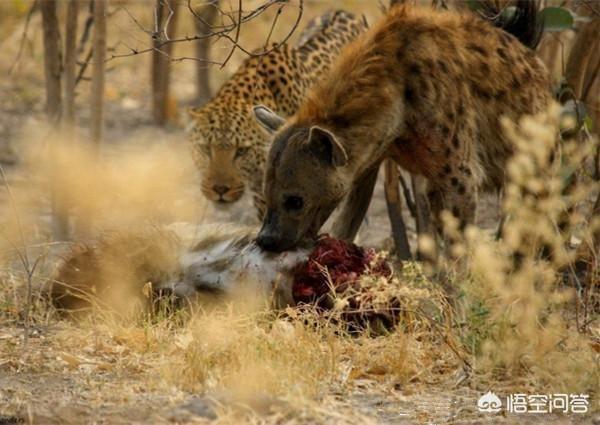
column 355, row 206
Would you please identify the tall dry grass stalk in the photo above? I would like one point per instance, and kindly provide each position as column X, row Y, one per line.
column 140, row 184
column 143, row 180
column 517, row 304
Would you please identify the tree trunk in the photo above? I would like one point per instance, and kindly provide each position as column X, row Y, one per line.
column 52, row 59
column 70, row 64
column 98, row 68
column 394, row 207
column 52, row 71
column 162, row 104
column 206, row 18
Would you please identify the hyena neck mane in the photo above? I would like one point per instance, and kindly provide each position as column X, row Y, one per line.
column 360, row 99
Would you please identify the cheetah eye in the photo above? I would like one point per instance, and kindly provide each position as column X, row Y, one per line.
column 293, row 203
column 242, row 151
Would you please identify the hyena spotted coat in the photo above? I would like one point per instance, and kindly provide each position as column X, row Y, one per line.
column 424, row 87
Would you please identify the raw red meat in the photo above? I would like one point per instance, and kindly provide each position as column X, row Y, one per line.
column 333, row 267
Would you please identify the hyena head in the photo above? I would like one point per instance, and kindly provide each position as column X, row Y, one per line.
column 304, row 181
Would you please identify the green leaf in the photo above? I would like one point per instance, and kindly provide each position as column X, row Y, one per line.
column 556, row 19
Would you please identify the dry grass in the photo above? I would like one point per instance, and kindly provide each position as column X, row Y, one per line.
column 520, row 282
column 513, row 325
column 251, row 361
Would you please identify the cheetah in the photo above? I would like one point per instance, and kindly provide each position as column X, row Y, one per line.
column 228, row 146
column 424, row 87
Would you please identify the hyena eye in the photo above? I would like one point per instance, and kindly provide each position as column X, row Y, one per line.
column 239, row 152
column 293, row 203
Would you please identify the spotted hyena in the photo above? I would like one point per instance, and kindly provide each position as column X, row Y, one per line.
column 424, row 87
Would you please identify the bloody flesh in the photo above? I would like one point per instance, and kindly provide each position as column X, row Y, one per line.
column 333, row 267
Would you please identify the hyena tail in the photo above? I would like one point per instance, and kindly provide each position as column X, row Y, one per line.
column 522, row 20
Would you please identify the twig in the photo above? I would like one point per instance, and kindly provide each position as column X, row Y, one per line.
column 223, row 33
column 23, row 37
column 237, row 35
column 197, row 16
column 89, row 22
column 138, row 24
column 84, row 65
column 165, row 30
column 273, row 27
column 588, row 5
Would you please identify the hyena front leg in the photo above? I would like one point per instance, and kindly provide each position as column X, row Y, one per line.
column 355, row 206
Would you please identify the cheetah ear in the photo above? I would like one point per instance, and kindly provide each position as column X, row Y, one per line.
column 268, row 119
column 326, row 147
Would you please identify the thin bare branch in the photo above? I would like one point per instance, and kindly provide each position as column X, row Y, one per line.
column 87, row 27
column 23, row 37
column 237, row 34
column 84, row 65
column 223, row 32
column 165, row 30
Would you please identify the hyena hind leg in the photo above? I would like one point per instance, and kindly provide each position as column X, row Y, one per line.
column 456, row 193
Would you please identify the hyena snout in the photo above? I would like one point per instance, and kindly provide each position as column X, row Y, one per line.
column 268, row 242
column 272, row 238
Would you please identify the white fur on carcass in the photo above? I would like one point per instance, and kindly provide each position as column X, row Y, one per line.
column 233, row 263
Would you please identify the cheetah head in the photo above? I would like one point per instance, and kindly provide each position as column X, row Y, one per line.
column 228, row 148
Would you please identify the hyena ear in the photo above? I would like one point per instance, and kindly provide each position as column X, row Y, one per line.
column 268, row 119
column 326, row 147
